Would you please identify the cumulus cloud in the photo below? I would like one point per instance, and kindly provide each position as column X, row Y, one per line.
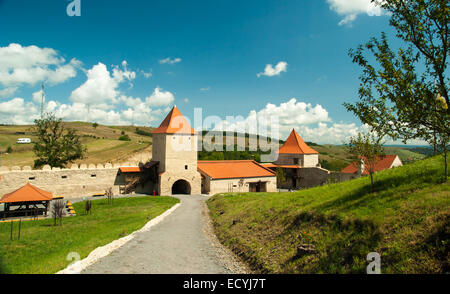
column 18, row 111
column 30, row 65
column 311, row 121
column 169, row 60
column 350, row 9
column 101, row 86
column 8, row 92
column 270, row 71
column 160, row 98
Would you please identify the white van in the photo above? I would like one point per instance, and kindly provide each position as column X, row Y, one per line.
column 23, row 141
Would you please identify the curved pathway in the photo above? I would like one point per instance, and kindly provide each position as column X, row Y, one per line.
column 183, row 243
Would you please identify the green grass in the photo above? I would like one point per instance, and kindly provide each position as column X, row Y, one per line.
column 406, row 220
column 43, row 248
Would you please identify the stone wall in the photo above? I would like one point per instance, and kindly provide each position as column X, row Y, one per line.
column 215, row 186
column 312, row 176
column 76, row 181
column 304, row 160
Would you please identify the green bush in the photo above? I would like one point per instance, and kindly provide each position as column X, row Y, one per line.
column 124, row 138
column 9, row 149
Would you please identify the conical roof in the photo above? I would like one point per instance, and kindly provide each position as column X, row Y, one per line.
column 295, row 145
column 27, row 193
column 174, row 123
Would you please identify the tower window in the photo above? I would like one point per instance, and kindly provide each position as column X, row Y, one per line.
column 185, row 167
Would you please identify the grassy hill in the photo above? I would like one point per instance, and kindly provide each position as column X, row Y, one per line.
column 103, row 144
column 406, row 220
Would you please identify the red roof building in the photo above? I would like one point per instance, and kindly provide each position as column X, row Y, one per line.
column 383, row 162
column 232, row 169
column 295, row 145
column 27, row 193
column 175, row 123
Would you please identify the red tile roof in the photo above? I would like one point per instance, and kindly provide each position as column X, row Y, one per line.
column 174, row 123
column 230, row 169
column 27, row 193
column 132, row 169
column 383, row 162
column 295, row 145
column 271, row 165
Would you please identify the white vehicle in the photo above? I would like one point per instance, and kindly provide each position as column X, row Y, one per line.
column 23, row 141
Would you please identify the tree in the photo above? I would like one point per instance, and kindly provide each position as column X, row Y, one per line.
column 58, row 210
column 405, row 95
column 95, row 125
column 366, row 150
column 56, row 146
column 281, row 177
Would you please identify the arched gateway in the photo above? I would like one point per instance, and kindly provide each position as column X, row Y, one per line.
column 181, row 187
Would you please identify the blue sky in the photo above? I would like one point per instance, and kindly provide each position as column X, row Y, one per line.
column 131, row 61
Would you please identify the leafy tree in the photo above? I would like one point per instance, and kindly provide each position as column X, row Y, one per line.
column 95, row 125
column 405, row 95
column 366, row 150
column 9, row 149
column 56, row 145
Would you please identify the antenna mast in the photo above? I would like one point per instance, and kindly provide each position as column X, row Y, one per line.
column 42, row 99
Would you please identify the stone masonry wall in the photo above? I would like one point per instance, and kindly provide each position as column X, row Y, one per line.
column 77, row 181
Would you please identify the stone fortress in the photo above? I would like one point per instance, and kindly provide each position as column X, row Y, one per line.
column 174, row 169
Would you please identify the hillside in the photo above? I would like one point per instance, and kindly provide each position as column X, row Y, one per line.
column 103, row 145
column 406, row 220
column 102, row 142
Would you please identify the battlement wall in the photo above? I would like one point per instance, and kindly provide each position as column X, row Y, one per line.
column 76, row 181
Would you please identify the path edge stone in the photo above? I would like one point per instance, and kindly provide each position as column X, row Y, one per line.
column 100, row 252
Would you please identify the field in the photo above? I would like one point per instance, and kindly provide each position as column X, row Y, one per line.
column 332, row 228
column 102, row 142
column 43, row 248
column 103, row 145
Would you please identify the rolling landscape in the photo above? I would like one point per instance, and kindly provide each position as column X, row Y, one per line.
column 104, row 144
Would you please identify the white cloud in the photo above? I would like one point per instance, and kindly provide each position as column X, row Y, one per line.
column 270, row 71
column 30, row 65
column 101, row 87
column 205, row 89
column 169, row 60
column 160, row 98
column 186, row 100
column 147, row 75
column 8, row 92
column 350, row 9
column 17, row 111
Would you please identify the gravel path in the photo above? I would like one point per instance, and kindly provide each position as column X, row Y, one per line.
column 183, row 243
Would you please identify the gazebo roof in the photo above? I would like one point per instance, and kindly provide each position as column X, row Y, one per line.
column 27, row 193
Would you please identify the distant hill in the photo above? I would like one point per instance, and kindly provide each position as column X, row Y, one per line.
column 102, row 142
column 104, row 146
column 332, row 228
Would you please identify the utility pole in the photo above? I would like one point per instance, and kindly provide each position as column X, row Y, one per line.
column 42, row 99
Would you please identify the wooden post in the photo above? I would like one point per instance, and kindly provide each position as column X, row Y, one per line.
column 11, row 229
column 20, row 224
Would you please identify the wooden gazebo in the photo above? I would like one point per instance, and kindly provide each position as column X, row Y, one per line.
column 27, row 199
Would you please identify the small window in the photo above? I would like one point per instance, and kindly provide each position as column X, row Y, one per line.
column 32, row 178
column 295, row 160
column 185, row 167
column 93, row 176
column 63, row 177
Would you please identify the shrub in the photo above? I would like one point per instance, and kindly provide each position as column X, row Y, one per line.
column 9, row 149
column 124, row 138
